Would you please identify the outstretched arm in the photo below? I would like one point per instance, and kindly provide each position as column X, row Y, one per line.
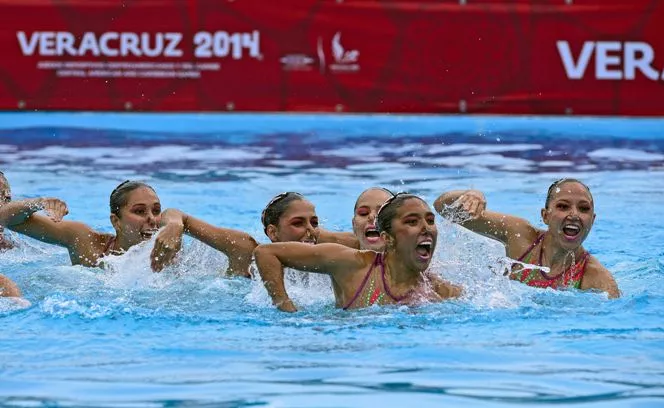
column 468, row 209
column 238, row 246
column 20, row 216
column 328, row 259
column 344, row 238
column 17, row 212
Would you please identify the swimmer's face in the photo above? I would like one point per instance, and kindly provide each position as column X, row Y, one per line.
column 299, row 223
column 139, row 218
column 570, row 215
column 414, row 234
column 364, row 219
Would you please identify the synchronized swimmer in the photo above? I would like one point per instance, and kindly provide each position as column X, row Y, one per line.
column 385, row 260
column 569, row 213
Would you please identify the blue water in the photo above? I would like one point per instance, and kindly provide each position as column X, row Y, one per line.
column 189, row 337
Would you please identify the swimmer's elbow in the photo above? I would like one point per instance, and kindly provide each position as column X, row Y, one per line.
column 263, row 253
column 250, row 242
column 259, row 252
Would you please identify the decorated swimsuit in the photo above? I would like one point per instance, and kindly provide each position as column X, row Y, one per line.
column 536, row 277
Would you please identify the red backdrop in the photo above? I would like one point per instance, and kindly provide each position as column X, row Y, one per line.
column 518, row 56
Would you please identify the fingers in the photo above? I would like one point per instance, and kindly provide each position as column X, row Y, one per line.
column 163, row 254
column 54, row 208
column 476, row 208
column 472, row 204
column 161, row 257
column 166, row 247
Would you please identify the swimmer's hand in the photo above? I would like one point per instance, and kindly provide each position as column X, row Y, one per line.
column 472, row 202
column 166, row 246
column 54, row 208
column 286, row 305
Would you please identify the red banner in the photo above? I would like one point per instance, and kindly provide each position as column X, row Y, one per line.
column 522, row 57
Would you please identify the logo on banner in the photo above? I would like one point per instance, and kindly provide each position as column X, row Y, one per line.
column 296, row 62
column 614, row 60
column 343, row 60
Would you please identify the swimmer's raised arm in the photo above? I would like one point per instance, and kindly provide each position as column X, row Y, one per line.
column 468, row 209
column 329, row 259
column 21, row 216
column 169, row 240
column 17, row 212
column 237, row 245
column 348, row 239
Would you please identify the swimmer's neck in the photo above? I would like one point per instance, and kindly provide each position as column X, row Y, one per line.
column 119, row 245
column 554, row 255
column 398, row 274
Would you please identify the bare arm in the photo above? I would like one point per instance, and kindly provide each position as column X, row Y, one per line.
column 238, row 246
column 598, row 277
column 468, row 209
column 17, row 212
column 344, row 238
column 443, row 288
column 330, row 259
column 168, row 242
column 20, row 216
column 8, row 288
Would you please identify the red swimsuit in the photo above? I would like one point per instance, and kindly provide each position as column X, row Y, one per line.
column 536, row 277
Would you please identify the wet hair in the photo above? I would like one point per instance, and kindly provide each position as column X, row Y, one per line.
column 277, row 207
column 120, row 195
column 388, row 210
column 369, row 189
column 554, row 186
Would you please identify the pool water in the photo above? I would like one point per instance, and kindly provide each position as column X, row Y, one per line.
column 188, row 336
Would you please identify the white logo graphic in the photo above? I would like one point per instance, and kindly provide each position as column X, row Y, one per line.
column 296, row 62
column 344, row 60
column 614, row 60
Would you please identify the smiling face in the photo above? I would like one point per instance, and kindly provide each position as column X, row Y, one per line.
column 139, row 218
column 299, row 223
column 414, row 234
column 570, row 214
column 364, row 220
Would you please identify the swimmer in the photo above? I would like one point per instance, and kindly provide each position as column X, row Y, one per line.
column 290, row 217
column 364, row 218
column 136, row 216
column 397, row 275
column 569, row 214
